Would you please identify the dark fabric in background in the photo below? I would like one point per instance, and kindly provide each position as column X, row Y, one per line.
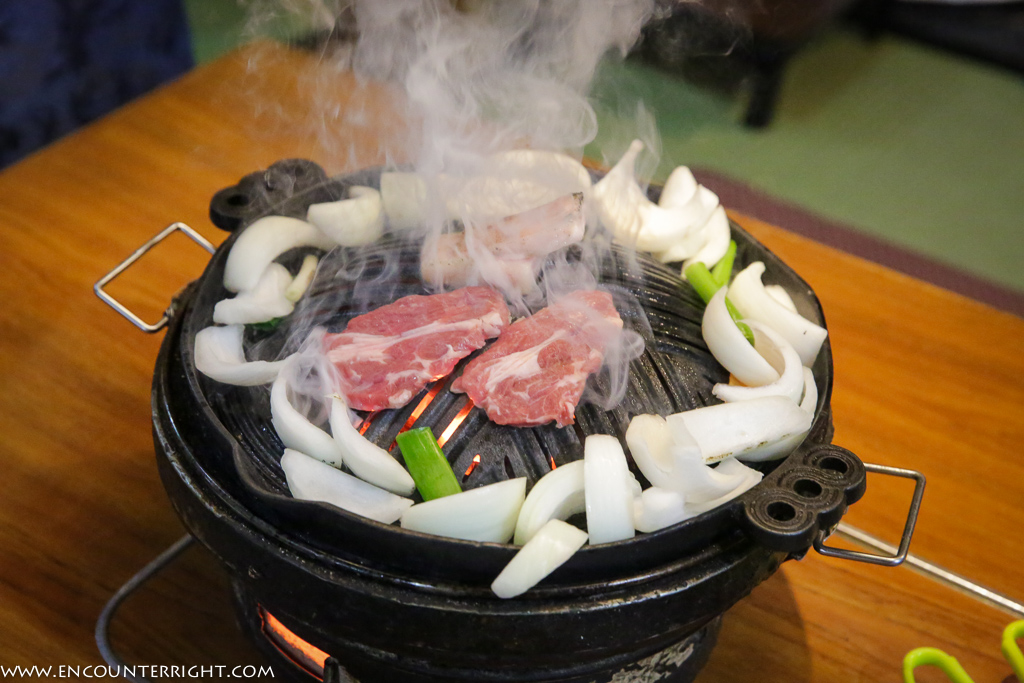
column 64, row 63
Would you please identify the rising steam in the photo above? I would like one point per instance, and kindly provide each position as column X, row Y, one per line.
column 477, row 78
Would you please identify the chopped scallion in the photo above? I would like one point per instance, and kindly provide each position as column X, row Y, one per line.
column 705, row 285
column 723, row 269
column 269, row 325
column 427, row 464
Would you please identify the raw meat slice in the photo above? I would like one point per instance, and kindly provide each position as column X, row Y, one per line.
column 388, row 355
column 537, row 369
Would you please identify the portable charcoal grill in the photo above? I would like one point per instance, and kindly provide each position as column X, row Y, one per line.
column 313, row 582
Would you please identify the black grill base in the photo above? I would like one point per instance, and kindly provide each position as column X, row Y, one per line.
column 680, row 662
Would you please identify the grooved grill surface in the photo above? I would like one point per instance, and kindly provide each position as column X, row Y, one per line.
column 675, row 372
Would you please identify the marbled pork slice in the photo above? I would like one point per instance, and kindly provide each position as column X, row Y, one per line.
column 536, row 371
column 385, row 357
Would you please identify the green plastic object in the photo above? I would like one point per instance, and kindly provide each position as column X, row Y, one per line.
column 930, row 655
column 1011, row 650
column 426, row 463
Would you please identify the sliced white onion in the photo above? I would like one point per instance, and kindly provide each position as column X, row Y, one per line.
column 716, row 239
column 685, row 247
column 633, row 218
column 746, row 478
column 810, row 400
column 350, row 222
column 650, row 443
column 296, row 431
column 779, row 293
column 782, row 356
column 487, row 513
column 671, row 459
column 365, row 459
column 755, row 430
column 403, row 197
column 219, row 356
column 263, row 302
column 661, row 454
column 556, row 495
column 302, row 279
column 680, row 188
column 730, row 348
column 264, row 241
column 658, row 508
column 310, row 479
column 607, row 488
column 546, row 551
column 748, row 295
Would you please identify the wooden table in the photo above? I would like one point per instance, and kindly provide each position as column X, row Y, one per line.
column 924, row 379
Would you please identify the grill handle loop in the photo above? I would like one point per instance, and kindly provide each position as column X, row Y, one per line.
column 891, row 560
column 135, row 256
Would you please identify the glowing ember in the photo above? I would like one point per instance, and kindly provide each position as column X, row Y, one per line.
column 472, row 466
column 367, row 421
column 303, row 654
column 456, row 421
column 421, row 406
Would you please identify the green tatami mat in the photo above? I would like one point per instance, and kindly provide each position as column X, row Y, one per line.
column 903, row 142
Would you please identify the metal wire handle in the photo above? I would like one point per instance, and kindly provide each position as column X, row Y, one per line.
column 136, row 255
column 891, row 560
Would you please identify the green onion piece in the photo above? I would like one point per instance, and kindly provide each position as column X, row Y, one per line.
column 700, row 277
column 744, row 328
column 723, row 269
column 426, row 463
column 268, row 325
column 705, row 284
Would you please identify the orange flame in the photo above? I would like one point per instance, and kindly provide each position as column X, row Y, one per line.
column 367, row 421
column 421, row 406
column 303, row 654
column 552, row 461
column 472, row 466
column 456, row 421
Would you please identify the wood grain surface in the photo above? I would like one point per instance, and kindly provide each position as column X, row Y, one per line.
column 924, row 379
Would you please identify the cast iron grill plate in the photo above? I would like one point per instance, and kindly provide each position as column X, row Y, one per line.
column 675, row 373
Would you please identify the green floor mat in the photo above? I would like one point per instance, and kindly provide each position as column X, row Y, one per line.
column 903, row 142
